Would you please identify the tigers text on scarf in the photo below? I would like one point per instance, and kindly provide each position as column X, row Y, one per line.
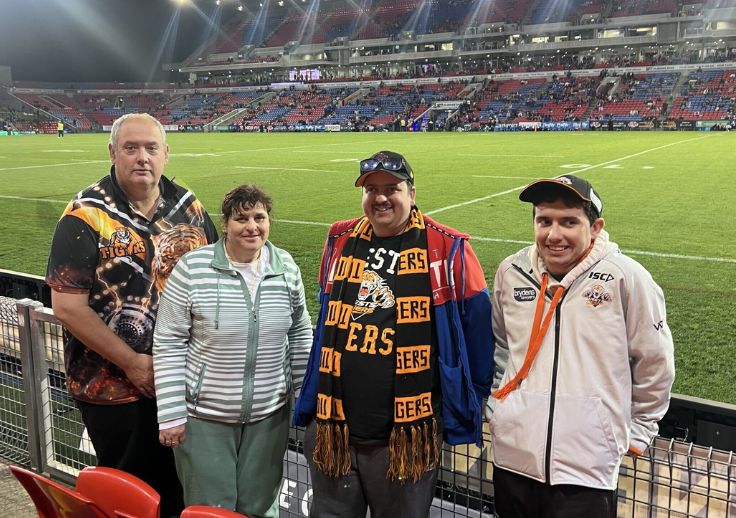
column 413, row 448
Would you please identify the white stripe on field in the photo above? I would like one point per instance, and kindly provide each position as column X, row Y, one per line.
column 296, row 222
column 512, row 177
column 78, row 162
column 680, row 256
column 285, row 169
column 295, row 148
column 6, row 197
column 475, row 155
column 333, row 151
column 587, row 168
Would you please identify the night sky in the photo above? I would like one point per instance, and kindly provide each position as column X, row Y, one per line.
column 99, row 40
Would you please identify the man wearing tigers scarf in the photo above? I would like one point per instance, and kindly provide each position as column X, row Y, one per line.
column 395, row 366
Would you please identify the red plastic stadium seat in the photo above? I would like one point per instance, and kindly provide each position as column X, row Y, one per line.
column 204, row 511
column 119, row 493
column 53, row 500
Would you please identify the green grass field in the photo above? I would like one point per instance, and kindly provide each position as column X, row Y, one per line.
column 668, row 198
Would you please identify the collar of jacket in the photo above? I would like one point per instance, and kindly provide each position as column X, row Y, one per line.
column 220, row 262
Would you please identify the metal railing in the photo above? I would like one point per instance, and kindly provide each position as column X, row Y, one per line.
column 40, row 427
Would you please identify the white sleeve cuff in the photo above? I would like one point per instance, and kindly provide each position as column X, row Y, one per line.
column 171, row 424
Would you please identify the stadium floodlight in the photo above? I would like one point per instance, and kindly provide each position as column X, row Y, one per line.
column 217, row 2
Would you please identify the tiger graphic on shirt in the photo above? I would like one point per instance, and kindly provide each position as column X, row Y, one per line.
column 373, row 293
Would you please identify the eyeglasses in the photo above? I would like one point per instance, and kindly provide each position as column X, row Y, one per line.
column 386, row 163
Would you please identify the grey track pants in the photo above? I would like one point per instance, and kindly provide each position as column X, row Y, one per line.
column 366, row 487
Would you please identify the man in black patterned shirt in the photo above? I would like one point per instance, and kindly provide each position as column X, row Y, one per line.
column 111, row 253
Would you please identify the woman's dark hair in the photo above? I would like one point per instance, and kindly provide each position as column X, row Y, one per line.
column 242, row 198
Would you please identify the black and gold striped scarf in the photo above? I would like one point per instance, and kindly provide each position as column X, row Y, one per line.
column 413, row 442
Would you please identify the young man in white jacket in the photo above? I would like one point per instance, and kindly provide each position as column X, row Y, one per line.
column 583, row 361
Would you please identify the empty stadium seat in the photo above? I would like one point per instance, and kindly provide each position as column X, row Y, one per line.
column 119, row 493
column 54, row 500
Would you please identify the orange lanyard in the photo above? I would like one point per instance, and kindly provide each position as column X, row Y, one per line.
column 539, row 329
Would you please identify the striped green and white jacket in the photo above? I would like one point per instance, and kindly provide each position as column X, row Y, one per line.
column 217, row 354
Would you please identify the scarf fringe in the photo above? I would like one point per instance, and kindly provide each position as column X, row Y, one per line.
column 424, row 451
column 331, row 452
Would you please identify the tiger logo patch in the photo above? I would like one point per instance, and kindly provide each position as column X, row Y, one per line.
column 597, row 295
column 373, row 293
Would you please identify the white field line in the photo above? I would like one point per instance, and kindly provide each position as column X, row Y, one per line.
column 297, row 222
column 577, row 171
column 78, row 162
column 23, row 198
column 475, row 155
column 330, row 151
column 629, row 252
column 64, row 151
column 511, row 177
column 476, row 238
column 285, row 169
column 296, row 148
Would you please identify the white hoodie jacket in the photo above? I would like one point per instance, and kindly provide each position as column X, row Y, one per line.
column 602, row 378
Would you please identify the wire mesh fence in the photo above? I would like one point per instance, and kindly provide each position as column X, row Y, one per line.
column 13, row 422
column 64, row 444
column 40, row 427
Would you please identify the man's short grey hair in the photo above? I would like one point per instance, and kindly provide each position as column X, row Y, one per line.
column 120, row 120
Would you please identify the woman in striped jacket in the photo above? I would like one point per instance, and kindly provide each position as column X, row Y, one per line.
column 231, row 344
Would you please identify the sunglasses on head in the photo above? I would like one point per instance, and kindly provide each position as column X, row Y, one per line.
column 384, row 164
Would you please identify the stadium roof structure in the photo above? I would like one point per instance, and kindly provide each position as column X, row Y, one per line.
column 344, row 38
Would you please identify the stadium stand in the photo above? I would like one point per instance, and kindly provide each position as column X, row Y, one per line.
column 706, row 95
column 629, row 97
column 396, row 59
column 637, row 97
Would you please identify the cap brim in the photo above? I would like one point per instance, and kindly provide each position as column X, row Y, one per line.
column 535, row 190
column 361, row 179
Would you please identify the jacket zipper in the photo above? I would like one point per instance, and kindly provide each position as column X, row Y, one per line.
column 528, row 277
column 198, row 387
column 553, row 391
column 250, row 354
column 553, row 388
